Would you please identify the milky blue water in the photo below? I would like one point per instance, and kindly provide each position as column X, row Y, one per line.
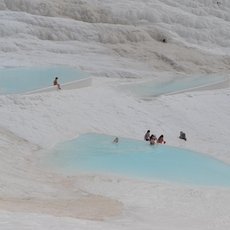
column 156, row 88
column 93, row 153
column 21, row 80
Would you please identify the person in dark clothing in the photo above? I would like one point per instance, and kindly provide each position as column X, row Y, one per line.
column 55, row 82
column 147, row 135
column 152, row 140
column 182, row 136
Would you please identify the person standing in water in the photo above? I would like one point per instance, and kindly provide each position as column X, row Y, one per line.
column 161, row 140
column 152, row 140
column 116, row 140
column 147, row 135
column 55, row 82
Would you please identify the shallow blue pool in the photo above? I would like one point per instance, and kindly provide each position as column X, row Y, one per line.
column 93, row 153
column 164, row 86
column 21, row 80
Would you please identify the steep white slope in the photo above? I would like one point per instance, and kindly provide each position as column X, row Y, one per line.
column 47, row 32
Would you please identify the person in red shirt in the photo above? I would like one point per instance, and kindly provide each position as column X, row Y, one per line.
column 161, row 140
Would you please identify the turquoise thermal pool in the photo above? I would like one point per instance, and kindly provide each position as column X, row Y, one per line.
column 93, row 153
column 158, row 87
column 25, row 79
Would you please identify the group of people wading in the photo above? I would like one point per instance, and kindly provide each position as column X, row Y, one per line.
column 153, row 139
column 160, row 140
